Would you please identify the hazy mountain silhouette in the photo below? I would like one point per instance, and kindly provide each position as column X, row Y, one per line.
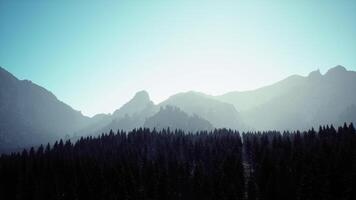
column 139, row 105
column 249, row 99
column 29, row 114
column 131, row 115
column 299, row 102
column 193, row 104
column 174, row 118
column 219, row 114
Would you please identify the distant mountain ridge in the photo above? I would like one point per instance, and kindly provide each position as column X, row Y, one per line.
column 298, row 102
column 129, row 116
column 29, row 114
column 191, row 107
column 219, row 114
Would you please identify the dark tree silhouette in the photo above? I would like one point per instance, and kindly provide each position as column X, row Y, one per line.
column 142, row 164
column 308, row 165
column 166, row 164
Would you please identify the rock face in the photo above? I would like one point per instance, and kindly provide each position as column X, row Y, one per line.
column 30, row 115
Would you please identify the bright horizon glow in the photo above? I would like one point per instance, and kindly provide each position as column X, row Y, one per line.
column 95, row 56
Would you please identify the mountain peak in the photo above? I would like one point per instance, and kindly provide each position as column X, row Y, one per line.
column 336, row 70
column 137, row 104
column 142, row 96
column 315, row 74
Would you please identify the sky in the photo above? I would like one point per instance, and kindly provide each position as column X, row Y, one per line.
column 95, row 55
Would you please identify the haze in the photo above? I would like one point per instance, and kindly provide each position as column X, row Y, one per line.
column 96, row 56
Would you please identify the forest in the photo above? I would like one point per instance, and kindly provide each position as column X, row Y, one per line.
column 173, row 164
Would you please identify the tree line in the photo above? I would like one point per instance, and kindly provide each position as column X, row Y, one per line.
column 166, row 164
column 310, row 165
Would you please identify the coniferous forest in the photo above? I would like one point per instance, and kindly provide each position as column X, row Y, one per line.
column 221, row 164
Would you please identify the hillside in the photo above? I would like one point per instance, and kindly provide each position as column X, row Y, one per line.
column 30, row 114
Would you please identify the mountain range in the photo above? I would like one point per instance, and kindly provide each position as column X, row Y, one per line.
column 299, row 102
column 30, row 114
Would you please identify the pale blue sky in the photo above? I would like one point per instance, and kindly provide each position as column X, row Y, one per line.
column 94, row 55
